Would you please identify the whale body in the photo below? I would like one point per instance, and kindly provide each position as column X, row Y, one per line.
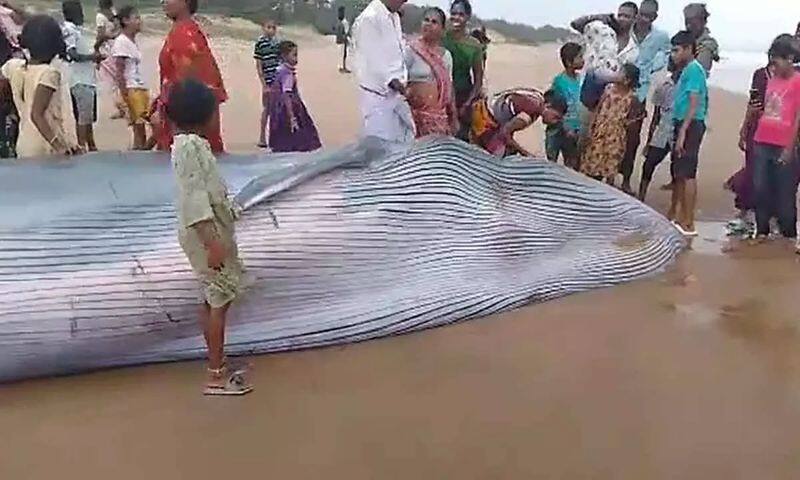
column 340, row 246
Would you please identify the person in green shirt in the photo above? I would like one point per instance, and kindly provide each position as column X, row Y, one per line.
column 468, row 54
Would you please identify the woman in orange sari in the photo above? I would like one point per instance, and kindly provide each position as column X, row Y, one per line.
column 186, row 54
column 430, row 86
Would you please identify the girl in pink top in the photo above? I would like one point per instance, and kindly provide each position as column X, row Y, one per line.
column 775, row 144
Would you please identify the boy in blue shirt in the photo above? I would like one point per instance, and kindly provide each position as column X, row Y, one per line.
column 562, row 138
column 689, row 115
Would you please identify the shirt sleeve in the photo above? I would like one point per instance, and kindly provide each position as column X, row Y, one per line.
column 51, row 78
column 195, row 202
column 257, row 51
column 287, row 83
column 658, row 94
column 695, row 81
column 661, row 59
column 70, row 37
column 373, row 45
column 707, row 54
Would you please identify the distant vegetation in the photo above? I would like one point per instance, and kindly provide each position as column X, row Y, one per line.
column 322, row 15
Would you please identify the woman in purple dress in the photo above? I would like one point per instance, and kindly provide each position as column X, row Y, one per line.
column 291, row 128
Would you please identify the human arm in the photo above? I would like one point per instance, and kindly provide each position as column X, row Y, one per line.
column 653, row 125
column 680, row 144
column 755, row 106
column 517, row 124
column 790, row 150
column 260, row 72
column 381, row 60
column 209, row 237
column 41, row 100
column 195, row 209
column 579, row 24
column 477, row 87
column 707, row 54
column 18, row 14
column 119, row 76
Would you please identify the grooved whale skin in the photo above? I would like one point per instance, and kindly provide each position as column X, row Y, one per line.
column 341, row 246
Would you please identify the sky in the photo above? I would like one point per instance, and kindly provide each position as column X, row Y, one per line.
column 737, row 24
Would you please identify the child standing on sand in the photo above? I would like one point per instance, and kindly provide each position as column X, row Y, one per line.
column 37, row 91
column 775, row 142
column 267, row 62
column 562, row 139
column 206, row 226
column 128, row 60
column 83, row 79
column 291, row 128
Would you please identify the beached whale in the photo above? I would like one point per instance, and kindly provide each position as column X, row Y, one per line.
column 341, row 246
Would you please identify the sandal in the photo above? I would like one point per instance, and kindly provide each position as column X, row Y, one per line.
column 684, row 232
column 235, row 385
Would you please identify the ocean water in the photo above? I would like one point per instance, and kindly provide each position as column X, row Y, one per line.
column 735, row 71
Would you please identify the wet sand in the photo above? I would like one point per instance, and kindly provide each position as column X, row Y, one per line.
column 692, row 375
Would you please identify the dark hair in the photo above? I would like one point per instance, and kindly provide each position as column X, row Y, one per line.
column 612, row 22
column 698, row 8
column 652, row 2
column 684, row 38
column 42, row 37
column 479, row 34
column 341, row 12
column 192, row 4
column 105, row 3
column 632, row 6
column 632, row 75
column 73, row 11
column 465, row 4
column 569, row 52
column 439, row 12
column 125, row 13
column 286, row 47
column 191, row 104
column 784, row 46
column 556, row 102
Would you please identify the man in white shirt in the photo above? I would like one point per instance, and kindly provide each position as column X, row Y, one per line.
column 382, row 73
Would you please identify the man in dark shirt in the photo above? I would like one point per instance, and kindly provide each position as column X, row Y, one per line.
column 267, row 60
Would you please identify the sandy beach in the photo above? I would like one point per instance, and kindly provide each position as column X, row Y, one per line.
column 692, row 375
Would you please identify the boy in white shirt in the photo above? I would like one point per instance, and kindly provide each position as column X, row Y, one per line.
column 131, row 84
column 83, row 79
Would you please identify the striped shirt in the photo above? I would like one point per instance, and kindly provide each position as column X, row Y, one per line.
column 267, row 51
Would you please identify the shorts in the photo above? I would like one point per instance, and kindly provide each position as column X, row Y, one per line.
column 138, row 101
column 685, row 167
column 558, row 144
column 84, row 104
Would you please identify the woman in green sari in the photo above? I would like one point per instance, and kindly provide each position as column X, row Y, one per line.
column 468, row 54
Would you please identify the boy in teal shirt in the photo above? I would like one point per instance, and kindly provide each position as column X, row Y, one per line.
column 562, row 139
column 689, row 115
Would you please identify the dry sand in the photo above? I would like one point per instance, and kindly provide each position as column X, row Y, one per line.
column 694, row 375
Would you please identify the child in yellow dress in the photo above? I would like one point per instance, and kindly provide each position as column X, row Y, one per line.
column 206, row 227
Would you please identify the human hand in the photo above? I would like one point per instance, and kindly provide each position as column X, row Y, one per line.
column 786, row 156
column 216, row 254
column 742, row 143
column 680, row 144
column 398, row 86
column 294, row 125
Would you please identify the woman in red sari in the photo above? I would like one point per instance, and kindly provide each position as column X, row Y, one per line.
column 186, row 54
column 430, row 71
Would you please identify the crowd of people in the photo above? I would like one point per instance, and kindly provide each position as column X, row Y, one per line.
column 410, row 87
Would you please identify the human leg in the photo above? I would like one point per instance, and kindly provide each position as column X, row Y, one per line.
column 654, row 158
column 686, row 172
column 632, row 142
column 764, row 159
column 786, row 209
column 265, row 106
